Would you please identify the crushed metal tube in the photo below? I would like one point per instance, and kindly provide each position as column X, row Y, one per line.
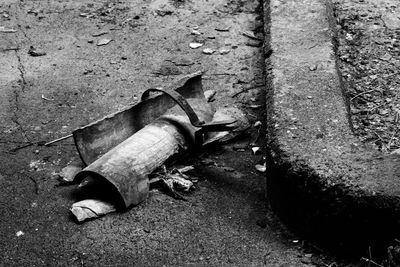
column 123, row 149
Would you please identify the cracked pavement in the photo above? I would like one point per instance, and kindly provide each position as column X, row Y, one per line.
column 225, row 221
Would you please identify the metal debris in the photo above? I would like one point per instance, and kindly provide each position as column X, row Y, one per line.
column 91, row 208
column 68, row 173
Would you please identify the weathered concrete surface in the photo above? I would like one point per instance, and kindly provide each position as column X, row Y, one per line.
column 323, row 182
column 218, row 225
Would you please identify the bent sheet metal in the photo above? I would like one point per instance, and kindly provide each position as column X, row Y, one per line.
column 122, row 149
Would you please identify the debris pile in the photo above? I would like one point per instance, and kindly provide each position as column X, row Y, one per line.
column 122, row 160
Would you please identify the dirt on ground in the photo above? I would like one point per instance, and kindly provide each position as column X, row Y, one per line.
column 64, row 64
column 369, row 46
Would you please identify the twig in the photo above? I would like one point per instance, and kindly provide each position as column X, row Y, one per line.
column 366, row 92
column 379, row 137
column 371, row 261
column 377, row 106
column 36, row 184
column 391, row 139
column 46, row 98
column 26, row 145
column 248, row 89
column 58, row 140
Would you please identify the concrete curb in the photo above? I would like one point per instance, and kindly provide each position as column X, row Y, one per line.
column 322, row 181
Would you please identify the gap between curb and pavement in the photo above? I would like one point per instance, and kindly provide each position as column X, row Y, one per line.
column 322, row 181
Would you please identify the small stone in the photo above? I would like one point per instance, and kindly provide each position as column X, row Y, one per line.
column 254, row 43
column 257, row 123
column 208, row 51
column 195, row 32
column 222, row 28
column 87, row 72
column 251, row 35
column 313, row 67
column 97, row 34
column 68, row 173
column 261, row 168
column 19, row 233
column 164, row 11
column 349, row 37
column 228, row 169
column 34, row 52
column 103, row 42
column 309, row 97
column 195, row 45
column 224, row 51
column 305, row 260
column 255, row 150
column 255, row 106
column 7, row 30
